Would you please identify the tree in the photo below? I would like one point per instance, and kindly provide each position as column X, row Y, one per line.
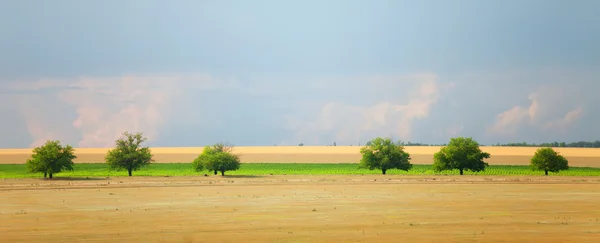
column 51, row 158
column 462, row 154
column 383, row 154
column 218, row 157
column 129, row 154
column 547, row 159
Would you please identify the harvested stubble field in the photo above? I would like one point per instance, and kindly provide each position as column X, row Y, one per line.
column 370, row 208
column 580, row 157
column 302, row 208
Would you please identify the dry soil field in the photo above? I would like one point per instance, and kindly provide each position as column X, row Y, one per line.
column 302, row 209
column 371, row 208
column 586, row 157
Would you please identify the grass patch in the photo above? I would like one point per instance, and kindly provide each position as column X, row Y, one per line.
column 185, row 169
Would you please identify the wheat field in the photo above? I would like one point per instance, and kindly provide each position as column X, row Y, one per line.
column 584, row 157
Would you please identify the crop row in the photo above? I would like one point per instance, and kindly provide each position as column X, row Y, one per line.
column 261, row 169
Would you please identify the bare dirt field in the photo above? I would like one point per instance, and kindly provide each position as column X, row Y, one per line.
column 582, row 157
column 302, row 209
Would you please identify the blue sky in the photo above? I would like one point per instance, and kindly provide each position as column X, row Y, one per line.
column 190, row 73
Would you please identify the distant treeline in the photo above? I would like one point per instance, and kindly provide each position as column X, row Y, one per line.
column 413, row 144
column 580, row 144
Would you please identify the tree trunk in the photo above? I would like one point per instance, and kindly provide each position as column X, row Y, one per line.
column 222, row 172
column 383, row 171
column 461, row 171
column 50, row 175
column 45, row 174
column 546, row 172
column 215, row 172
column 129, row 171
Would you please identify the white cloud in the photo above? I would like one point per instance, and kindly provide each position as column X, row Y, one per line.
column 44, row 119
column 398, row 102
column 104, row 107
column 548, row 110
column 508, row 122
column 561, row 125
column 92, row 111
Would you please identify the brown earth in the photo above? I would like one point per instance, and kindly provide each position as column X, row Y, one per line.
column 586, row 157
column 371, row 208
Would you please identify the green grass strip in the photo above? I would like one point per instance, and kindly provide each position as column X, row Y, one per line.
column 185, row 169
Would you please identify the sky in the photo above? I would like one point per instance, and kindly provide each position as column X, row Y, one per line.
column 192, row 73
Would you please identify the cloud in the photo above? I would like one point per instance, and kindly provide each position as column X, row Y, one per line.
column 508, row 122
column 106, row 108
column 561, row 125
column 103, row 107
column 197, row 109
column 551, row 108
column 44, row 119
column 396, row 102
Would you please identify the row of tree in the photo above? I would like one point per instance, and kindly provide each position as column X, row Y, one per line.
column 128, row 154
column 580, row 144
column 401, row 143
column 460, row 153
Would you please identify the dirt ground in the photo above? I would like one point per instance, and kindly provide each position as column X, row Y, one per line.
column 370, row 208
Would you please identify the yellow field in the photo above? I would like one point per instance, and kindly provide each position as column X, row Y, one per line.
column 348, row 208
column 589, row 157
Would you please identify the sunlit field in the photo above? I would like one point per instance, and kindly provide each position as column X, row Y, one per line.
column 292, row 194
column 262, row 169
column 298, row 208
column 580, row 157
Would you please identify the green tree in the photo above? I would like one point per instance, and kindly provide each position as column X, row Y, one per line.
column 217, row 157
column 462, row 154
column 128, row 153
column 546, row 159
column 382, row 153
column 51, row 158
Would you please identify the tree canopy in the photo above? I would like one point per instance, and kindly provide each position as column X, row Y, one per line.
column 382, row 153
column 546, row 159
column 129, row 154
column 217, row 157
column 462, row 154
column 51, row 158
